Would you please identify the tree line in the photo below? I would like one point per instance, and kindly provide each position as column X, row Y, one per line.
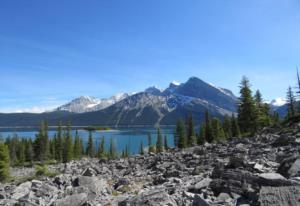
column 252, row 115
column 63, row 147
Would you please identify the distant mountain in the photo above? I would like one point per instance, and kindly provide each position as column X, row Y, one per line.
column 153, row 106
column 279, row 105
column 88, row 104
column 79, row 105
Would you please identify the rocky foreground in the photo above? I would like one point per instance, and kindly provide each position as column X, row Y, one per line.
column 262, row 170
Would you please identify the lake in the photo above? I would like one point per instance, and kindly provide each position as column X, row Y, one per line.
column 121, row 136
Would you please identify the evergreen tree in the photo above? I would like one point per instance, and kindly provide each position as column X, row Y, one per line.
column 291, row 103
column 81, row 147
column 101, row 149
column 21, row 152
column 151, row 148
column 4, row 162
column 176, row 134
column 90, row 147
column 166, row 145
column 262, row 111
column 235, row 130
column 59, row 143
column 141, row 148
column 29, row 151
column 181, row 134
column 217, row 130
column 275, row 118
column 52, row 147
column 201, row 137
column 191, row 137
column 159, row 142
column 112, row 149
column 247, row 115
column 46, row 141
column 127, row 152
column 208, row 128
column 12, row 148
column 68, row 145
column 227, row 126
column 41, row 143
column 77, row 147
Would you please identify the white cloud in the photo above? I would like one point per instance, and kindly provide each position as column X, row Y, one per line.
column 46, row 104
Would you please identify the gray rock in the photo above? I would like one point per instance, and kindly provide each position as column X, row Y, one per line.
column 224, row 197
column 279, row 196
column 22, row 190
column 198, row 201
column 89, row 172
column 290, row 167
column 273, row 179
column 197, row 188
column 150, row 198
column 95, row 185
column 73, row 200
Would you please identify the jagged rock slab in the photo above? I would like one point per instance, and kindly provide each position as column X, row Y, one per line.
column 150, row 198
column 279, row 196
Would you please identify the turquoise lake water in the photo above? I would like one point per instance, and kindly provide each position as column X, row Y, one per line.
column 121, row 137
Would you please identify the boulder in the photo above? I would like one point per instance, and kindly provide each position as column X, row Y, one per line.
column 94, row 185
column 236, row 162
column 197, row 188
column 89, row 172
column 279, row 196
column 284, row 140
column 290, row 167
column 74, row 200
column 22, row 190
column 273, row 179
column 198, row 201
column 156, row 197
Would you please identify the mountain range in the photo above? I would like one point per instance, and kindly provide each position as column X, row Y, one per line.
column 150, row 107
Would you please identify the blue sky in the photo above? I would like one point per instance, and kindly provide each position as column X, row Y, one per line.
column 53, row 51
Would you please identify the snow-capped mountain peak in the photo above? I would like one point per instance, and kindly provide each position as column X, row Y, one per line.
column 87, row 103
column 278, row 102
column 79, row 104
column 175, row 83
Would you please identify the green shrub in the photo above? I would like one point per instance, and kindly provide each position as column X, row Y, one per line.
column 41, row 170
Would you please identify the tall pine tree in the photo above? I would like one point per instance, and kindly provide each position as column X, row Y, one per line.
column 59, row 143
column 4, row 162
column 208, row 128
column 181, row 133
column 191, row 137
column 217, row 130
column 247, row 115
column 68, row 145
column 235, row 129
column 291, row 103
column 101, row 149
column 112, row 149
column 166, row 145
column 142, row 148
column 201, row 136
column 77, row 147
column 159, row 142
column 227, row 126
